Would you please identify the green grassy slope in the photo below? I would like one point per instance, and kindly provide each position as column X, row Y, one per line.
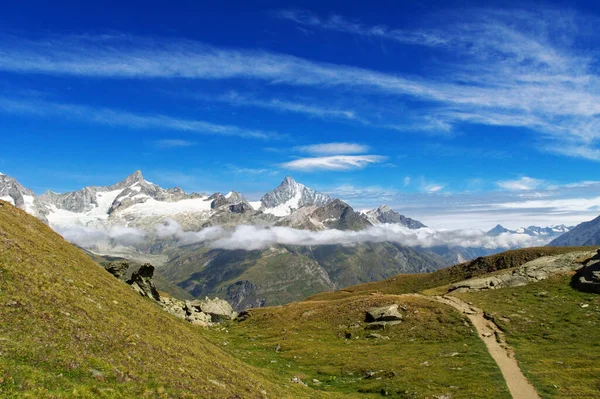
column 69, row 329
column 433, row 353
column 553, row 330
column 409, row 283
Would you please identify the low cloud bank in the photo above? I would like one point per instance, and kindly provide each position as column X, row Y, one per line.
column 96, row 237
column 249, row 237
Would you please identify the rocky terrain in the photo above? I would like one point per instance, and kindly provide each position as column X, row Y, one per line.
column 535, row 270
column 206, row 312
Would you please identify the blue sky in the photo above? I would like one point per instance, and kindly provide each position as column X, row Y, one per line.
column 461, row 114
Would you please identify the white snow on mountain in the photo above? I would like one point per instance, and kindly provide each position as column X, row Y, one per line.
column 289, row 196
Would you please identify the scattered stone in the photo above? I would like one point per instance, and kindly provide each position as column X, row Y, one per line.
column 584, row 305
column 277, row 347
column 297, row 380
column 382, row 325
column 377, row 336
column 11, row 303
column 98, row 375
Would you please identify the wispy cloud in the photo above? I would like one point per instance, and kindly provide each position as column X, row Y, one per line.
column 174, row 143
column 302, row 107
column 350, row 193
column 511, row 68
column 334, row 162
column 334, row 148
column 251, row 171
column 524, row 183
column 433, row 188
column 111, row 117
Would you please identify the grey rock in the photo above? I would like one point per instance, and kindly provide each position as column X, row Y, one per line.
column 587, row 279
column 384, row 313
column 117, row 269
column 218, row 309
column 535, row 270
column 141, row 281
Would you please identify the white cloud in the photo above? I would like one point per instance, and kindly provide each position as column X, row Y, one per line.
column 174, row 143
column 310, row 109
column 348, row 192
column 407, row 180
column 524, row 183
column 258, row 237
column 433, row 188
column 556, row 205
column 334, row 148
column 101, row 237
column 110, row 117
column 335, row 162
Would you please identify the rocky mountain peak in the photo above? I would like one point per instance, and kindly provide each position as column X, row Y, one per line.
column 291, row 195
column 384, row 214
column 135, row 177
column 497, row 230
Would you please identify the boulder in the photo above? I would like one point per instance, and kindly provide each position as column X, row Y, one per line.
column 117, row 269
column 384, row 313
column 587, row 279
column 218, row 309
column 199, row 318
column 176, row 307
column 141, row 281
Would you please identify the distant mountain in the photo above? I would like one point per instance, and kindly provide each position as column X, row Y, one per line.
column 289, row 196
column 586, row 233
column 533, row 231
column 23, row 198
column 384, row 214
column 274, row 275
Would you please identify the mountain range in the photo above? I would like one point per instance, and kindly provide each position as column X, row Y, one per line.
column 533, row 231
column 586, row 233
column 124, row 219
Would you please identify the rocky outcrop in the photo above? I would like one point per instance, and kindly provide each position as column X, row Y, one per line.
column 535, row 270
column 141, row 281
column 118, row 269
column 199, row 312
column 218, row 309
column 587, row 279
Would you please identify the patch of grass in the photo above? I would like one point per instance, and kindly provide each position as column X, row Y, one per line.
column 433, row 352
column 70, row 329
column 553, row 334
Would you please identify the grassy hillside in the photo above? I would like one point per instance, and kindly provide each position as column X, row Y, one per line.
column 553, row 329
column 433, row 353
column 69, row 329
column 409, row 283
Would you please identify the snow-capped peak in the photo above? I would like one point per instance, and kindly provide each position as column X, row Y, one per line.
column 291, row 195
column 384, row 214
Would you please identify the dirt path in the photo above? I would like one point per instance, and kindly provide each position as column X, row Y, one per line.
column 518, row 385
